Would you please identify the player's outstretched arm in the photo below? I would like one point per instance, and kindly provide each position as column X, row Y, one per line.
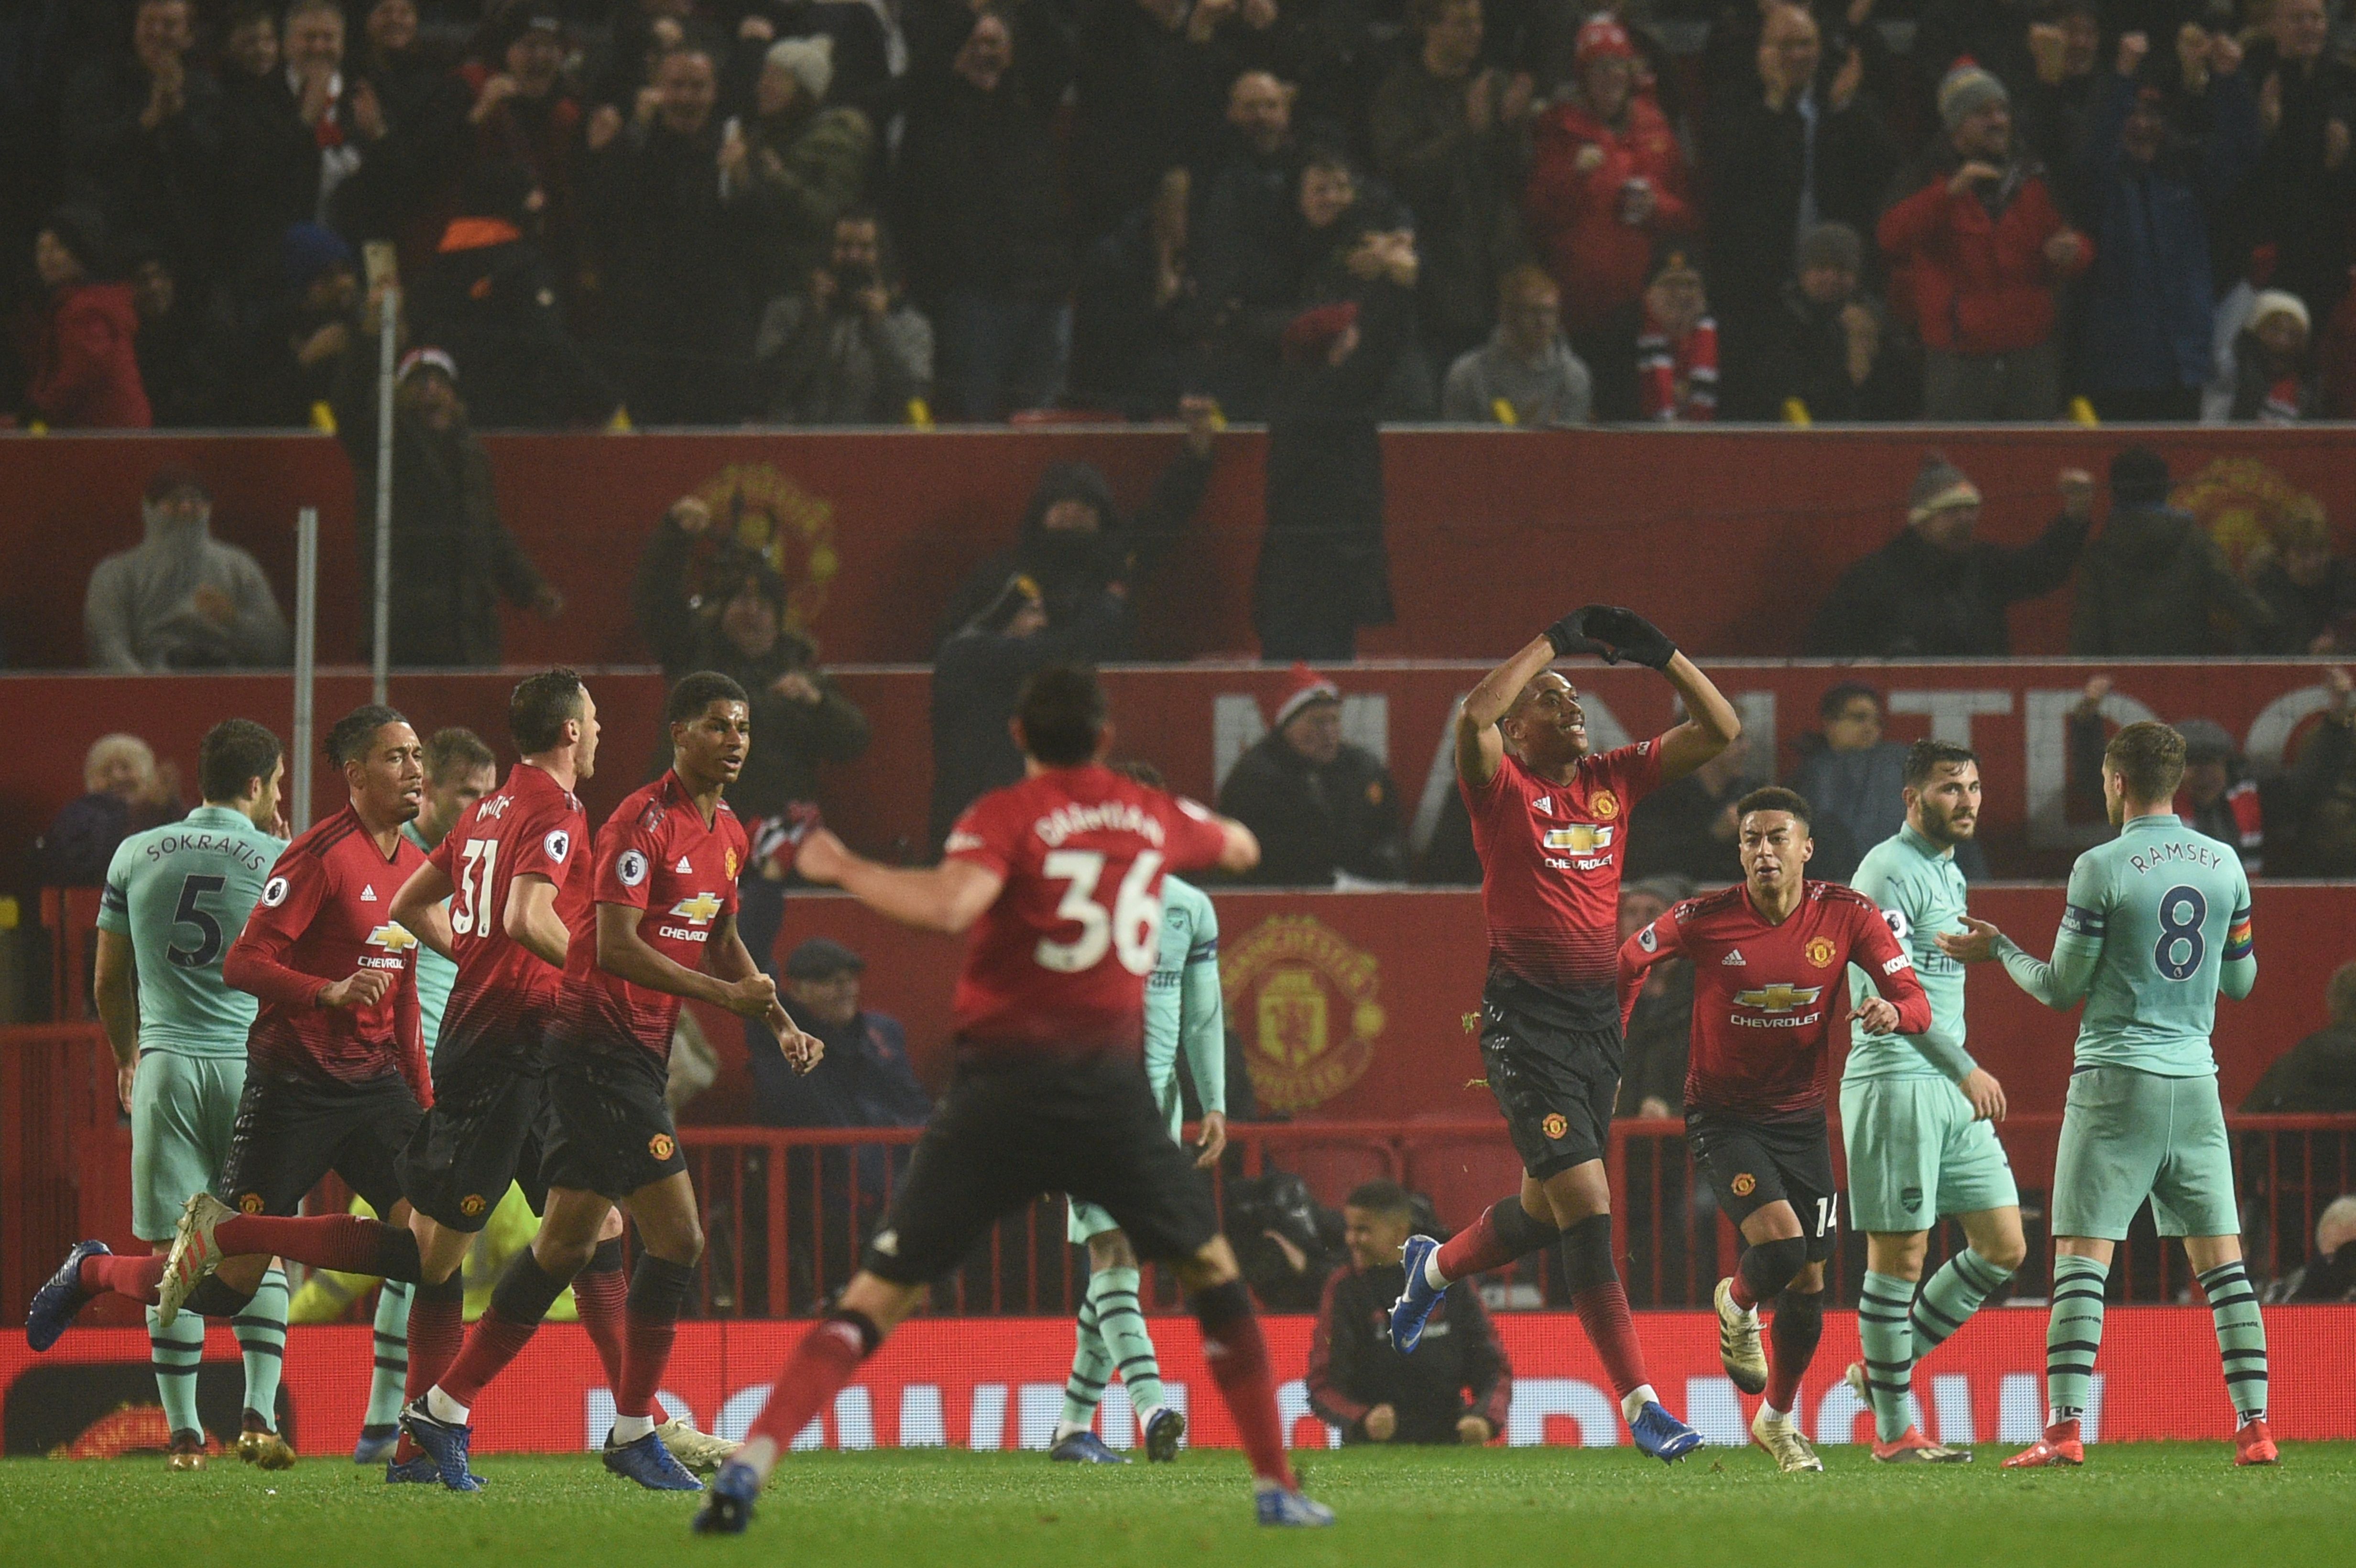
column 417, row 906
column 2061, row 985
column 1711, row 723
column 948, row 897
column 622, row 953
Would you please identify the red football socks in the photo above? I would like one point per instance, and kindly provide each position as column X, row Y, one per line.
column 1472, row 1249
column 825, row 1360
column 649, row 1323
column 1239, row 1359
column 491, row 1344
column 599, row 1295
column 136, row 1278
column 1603, row 1313
column 350, row 1244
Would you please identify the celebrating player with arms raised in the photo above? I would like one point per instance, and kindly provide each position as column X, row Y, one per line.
column 1550, row 820
column 1768, row 954
column 2156, row 924
column 1062, row 874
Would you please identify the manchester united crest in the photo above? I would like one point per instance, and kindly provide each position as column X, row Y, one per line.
column 1744, row 1184
column 765, row 511
column 1604, row 804
column 1820, row 951
column 660, row 1145
column 1554, row 1124
column 729, row 861
column 1308, row 1005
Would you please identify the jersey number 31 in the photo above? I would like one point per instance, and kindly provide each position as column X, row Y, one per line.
column 1131, row 928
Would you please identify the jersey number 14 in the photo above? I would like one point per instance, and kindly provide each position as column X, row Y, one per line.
column 1131, row 928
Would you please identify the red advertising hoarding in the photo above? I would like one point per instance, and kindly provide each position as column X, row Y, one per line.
column 997, row 1383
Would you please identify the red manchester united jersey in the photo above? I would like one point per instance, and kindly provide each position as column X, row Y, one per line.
column 1763, row 994
column 1057, row 964
column 505, row 993
column 658, row 853
column 321, row 919
column 1550, row 860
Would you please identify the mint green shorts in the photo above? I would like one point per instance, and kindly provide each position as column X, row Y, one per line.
column 183, row 1113
column 2127, row 1134
column 1916, row 1154
column 1086, row 1220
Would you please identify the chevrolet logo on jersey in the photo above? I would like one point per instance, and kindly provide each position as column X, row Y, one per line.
column 395, row 941
column 1779, row 998
column 699, row 909
column 1581, row 838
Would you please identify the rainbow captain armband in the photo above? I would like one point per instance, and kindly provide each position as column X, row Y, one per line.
column 2239, row 941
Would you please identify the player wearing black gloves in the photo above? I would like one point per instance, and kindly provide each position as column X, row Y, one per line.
column 1550, row 821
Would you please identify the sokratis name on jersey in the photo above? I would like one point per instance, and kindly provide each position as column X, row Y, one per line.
column 697, row 912
column 244, row 852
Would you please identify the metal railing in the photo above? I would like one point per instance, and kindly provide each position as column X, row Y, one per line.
column 786, row 1210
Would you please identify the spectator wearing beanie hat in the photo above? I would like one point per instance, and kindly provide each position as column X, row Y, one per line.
column 1325, row 811
column 81, row 369
column 300, row 342
column 2275, row 379
column 1676, row 352
column 1976, row 255
column 2155, row 578
column 1939, row 591
column 806, row 161
column 1607, row 183
column 1834, row 352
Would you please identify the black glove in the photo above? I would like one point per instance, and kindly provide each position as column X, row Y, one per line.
column 1622, row 634
column 1567, row 639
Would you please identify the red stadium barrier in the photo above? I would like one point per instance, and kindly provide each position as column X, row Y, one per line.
column 997, row 1383
column 1491, row 534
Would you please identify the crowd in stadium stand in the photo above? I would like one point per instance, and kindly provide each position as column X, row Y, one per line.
column 877, row 212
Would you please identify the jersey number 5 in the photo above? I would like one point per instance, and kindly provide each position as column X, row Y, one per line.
column 1130, row 928
column 470, row 911
column 208, row 932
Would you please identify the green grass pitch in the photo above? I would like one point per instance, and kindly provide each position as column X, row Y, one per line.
column 2151, row 1505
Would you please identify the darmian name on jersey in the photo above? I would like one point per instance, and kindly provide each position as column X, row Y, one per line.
column 1105, row 816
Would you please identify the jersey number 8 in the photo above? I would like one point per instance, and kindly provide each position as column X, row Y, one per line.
column 1131, row 928
column 2181, row 911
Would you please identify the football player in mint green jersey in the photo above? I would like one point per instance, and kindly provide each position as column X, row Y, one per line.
column 2157, row 924
column 1184, row 1010
column 1918, row 1118
column 175, row 897
column 459, row 771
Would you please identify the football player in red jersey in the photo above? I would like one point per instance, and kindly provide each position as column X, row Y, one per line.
column 1060, row 878
column 335, row 1074
column 1770, row 958
column 663, row 928
column 1550, row 819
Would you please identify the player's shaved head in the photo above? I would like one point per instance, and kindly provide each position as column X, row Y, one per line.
column 1775, row 797
column 699, row 691
column 350, row 738
column 1061, row 715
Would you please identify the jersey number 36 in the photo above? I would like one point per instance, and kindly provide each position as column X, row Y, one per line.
column 1131, row 928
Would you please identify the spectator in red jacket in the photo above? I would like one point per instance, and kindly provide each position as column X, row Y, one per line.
column 1607, row 181
column 1676, row 354
column 82, row 370
column 1977, row 252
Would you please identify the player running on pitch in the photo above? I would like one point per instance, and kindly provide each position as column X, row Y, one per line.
column 1062, row 874
column 663, row 928
column 1184, row 1009
column 334, row 1061
column 175, row 896
column 1767, row 953
column 1550, row 821
column 1918, row 1117
column 2156, row 924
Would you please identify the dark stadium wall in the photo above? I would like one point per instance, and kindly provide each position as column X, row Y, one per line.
column 1730, row 537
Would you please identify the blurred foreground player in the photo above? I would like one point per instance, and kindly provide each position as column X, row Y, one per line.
column 663, row 930
column 1063, row 874
column 2156, row 923
column 1769, row 955
column 174, row 896
column 1550, row 821
column 1184, row 1009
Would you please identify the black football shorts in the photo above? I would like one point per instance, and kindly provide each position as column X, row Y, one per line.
column 292, row 1131
column 611, row 1131
column 1556, row 1085
column 1753, row 1163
